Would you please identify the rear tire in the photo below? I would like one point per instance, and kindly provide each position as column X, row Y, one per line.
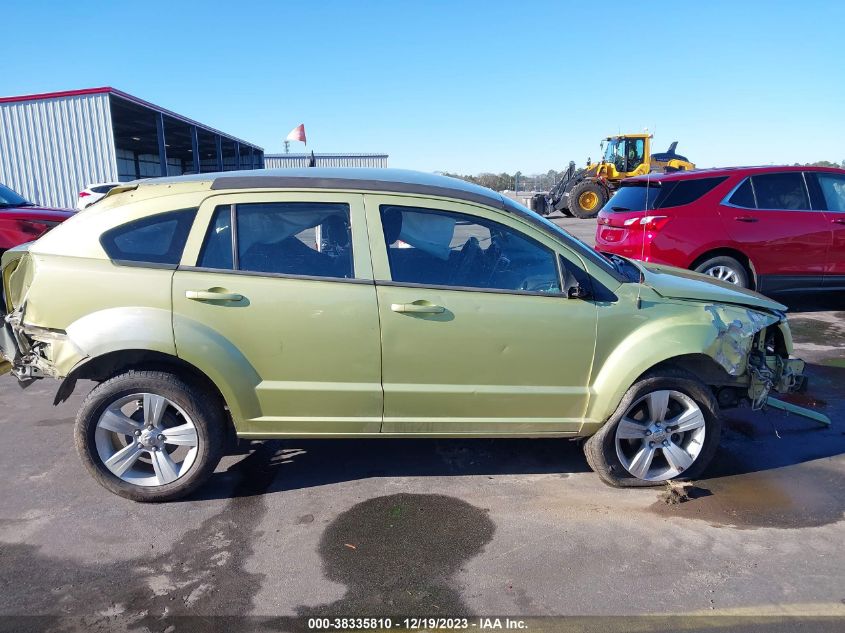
column 725, row 269
column 586, row 199
column 690, row 425
column 162, row 437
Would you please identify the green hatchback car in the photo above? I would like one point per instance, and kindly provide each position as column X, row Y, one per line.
column 371, row 303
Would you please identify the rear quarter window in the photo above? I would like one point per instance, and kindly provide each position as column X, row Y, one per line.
column 743, row 196
column 157, row 239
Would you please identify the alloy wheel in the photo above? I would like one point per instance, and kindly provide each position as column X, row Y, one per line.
column 660, row 436
column 723, row 273
column 146, row 439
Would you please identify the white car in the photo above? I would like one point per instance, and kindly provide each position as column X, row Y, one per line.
column 92, row 193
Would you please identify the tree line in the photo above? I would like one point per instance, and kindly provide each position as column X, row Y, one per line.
column 512, row 182
column 543, row 182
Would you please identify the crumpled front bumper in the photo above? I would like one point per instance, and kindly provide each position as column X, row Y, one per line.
column 755, row 347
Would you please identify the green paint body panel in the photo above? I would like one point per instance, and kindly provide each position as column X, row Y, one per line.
column 303, row 357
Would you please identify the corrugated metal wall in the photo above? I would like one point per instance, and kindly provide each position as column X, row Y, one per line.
column 273, row 161
column 52, row 148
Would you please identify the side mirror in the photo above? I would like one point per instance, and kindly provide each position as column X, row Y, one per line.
column 577, row 292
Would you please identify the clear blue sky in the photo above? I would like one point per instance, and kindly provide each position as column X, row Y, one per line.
column 461, row 86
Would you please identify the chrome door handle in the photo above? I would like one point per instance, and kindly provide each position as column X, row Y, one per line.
column 838, row 220
column 417, row 308
column 745, row 218
column 209, row 295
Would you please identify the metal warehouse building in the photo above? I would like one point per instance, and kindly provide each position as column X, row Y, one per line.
column 53, row 145
column 325, row 160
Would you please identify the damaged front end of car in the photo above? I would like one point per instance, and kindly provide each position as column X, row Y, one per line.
column 754, row 347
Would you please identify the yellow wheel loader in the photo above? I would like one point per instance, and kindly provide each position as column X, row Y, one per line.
column 583, row 192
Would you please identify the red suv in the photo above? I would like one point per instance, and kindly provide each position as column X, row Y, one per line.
column 22, row 221
column 773, row 229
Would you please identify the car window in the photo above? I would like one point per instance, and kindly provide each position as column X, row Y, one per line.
column 157, row 239
column 9, row 198
column 744, row 195
column 785, row 191
column 292, row 238
column 217, row 251
column 633, row 197
column 688, row 191
column 443, row 248
column 833, row 188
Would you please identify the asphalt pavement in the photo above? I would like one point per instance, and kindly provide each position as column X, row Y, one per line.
column 433, row 527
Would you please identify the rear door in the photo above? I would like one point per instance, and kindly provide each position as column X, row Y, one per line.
column 478, row 335
column 770, row 218
column 832, row 189
column 278, row 288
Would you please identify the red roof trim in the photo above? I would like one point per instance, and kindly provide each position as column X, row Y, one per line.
column 127, row 97
column 56, row 95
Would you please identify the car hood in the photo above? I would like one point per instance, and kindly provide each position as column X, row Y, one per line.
column 679, row 283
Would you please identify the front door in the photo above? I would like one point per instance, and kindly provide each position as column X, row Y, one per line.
column 477, row 333
column 279, row 288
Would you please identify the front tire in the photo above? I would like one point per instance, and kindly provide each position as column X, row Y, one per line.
column 149, row 435
column 666, row 428
column 586, row 199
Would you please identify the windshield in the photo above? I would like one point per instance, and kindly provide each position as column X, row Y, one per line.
column 612, row 150
column 9, row 198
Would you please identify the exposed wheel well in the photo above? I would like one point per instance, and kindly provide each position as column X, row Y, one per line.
column 103, row 367
column 729, row 252
column 702, row 367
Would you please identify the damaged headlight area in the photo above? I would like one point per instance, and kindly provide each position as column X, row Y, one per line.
column 754, row 347
column 735, row 332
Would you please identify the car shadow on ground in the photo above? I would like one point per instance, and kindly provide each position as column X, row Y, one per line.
column 299, row 464
column 811, row 301
column 752, row 442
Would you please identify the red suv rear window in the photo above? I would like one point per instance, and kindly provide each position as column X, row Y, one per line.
column 640, row 196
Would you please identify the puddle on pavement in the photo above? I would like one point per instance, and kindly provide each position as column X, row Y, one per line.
column 397, row 555
column 803, row 400
column 204, row 572
column 743, row 427
column 809, row 330
column 792, row 497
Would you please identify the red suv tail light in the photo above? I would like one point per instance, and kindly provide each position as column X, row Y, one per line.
column 646, row 222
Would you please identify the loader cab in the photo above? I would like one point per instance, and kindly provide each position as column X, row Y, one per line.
column 625, row 154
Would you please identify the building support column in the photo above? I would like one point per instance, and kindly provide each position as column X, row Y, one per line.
column 252, row 158
column 162, row 147
column 237, row 155
column 195, row 148
column 218, row 142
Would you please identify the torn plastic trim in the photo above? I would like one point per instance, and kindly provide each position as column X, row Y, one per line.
column 821, row 418
column 734, row 337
